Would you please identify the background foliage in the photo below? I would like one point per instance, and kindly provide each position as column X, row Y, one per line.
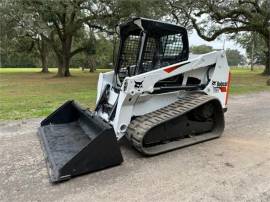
column 80, row 33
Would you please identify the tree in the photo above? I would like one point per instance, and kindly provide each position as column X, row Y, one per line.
column 43, row 48
column 58, row 22
column 57, row 25
column 104, row 52
column 38, row 45
column 234, row 57
column 254, row 46
column 90, row 60
column 201, row 49
column 68, row 17
column 228, row 17
column 18, row 26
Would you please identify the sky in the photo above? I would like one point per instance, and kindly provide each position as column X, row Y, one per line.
column 195, row 40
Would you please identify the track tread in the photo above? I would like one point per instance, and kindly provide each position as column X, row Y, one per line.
column 140, row 125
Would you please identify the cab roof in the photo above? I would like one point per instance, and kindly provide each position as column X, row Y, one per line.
column 136, row 25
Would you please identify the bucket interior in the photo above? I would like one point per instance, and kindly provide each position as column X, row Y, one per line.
column 64, row 141
column 73, row 138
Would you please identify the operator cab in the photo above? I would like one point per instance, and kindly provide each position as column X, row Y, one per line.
column 146, row 45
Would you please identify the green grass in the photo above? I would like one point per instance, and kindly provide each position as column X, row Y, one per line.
column 26, row 93
column 246, row 81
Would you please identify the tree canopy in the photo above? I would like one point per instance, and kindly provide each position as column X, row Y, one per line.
column 212, row 18
column 68, row 26
column 254, row 46
column 63, row 33
column 234, row 57
column 201, row 49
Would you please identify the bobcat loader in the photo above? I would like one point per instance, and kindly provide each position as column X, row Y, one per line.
column 156, row 97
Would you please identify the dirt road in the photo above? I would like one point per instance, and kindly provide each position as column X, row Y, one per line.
column 235, row 167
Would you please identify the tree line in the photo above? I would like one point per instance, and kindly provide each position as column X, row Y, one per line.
column 234, row 57
column 66, row 33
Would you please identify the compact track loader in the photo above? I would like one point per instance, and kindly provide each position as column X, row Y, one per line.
column 156, row 97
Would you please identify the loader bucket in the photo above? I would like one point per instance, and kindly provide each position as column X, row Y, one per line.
column 75, row 142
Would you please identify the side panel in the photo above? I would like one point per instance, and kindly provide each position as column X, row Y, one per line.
column 103, row 80
column 136, row 96
column 150, row 102
column 219, row 85
column 123, row 114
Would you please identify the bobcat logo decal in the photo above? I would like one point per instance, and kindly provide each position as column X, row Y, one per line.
column 138, row 84
column 218, row 84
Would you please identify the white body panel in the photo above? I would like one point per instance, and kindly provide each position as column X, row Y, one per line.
column 135, row 101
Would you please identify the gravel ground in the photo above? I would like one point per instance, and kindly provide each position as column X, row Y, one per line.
column 234, row 167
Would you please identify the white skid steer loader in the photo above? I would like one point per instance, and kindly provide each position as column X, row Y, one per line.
column 156, row 97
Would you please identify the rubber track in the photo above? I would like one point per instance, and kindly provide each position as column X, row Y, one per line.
column 140, row 125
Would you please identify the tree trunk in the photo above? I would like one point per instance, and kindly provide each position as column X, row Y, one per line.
column 63, row 66
column 44, row 64
column 92, row 69
column 66, row 49
column 267, row 67
column 267, row 59
column 92, row 64
column 66, row 66
column 60, row 67
column 252, row 53
column 64, row 58
column 44, row 58
column 267, row 64
column 43, row 53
